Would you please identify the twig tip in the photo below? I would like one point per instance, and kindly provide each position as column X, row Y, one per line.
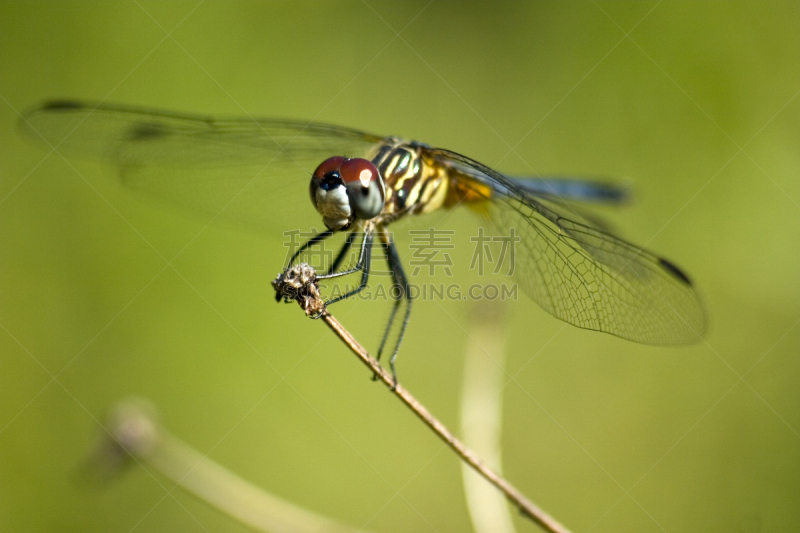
column 300, row 283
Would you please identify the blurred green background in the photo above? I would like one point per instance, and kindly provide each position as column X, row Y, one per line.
column 695, row 104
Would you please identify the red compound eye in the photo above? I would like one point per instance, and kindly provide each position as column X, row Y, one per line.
column 365, row 187
column 329, row 165
column 360, row 170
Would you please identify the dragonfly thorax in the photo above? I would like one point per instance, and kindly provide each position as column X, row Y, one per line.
column 344, row 190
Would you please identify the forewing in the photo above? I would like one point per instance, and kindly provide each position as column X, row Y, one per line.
column 579, row 272
column 574, row 189
column 240, row 168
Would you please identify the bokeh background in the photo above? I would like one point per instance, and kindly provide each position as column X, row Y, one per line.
column 104, row 294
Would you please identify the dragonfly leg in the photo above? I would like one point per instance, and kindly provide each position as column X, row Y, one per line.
column 398, row 282
column 319, row 237
column 399, row 279
column 362, row 254
column 388, row 329
column 348, row 243
column 363, row 265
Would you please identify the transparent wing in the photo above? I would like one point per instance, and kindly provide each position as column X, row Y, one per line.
column 236, row 167
column 579, row 272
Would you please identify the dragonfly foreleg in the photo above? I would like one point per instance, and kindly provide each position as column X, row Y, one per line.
column 363, row 265
column 319, row 237
column 348, row 243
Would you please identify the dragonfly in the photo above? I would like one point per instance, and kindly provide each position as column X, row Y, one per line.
column 568, row 262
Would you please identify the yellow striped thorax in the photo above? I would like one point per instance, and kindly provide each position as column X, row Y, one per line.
column 414, row 183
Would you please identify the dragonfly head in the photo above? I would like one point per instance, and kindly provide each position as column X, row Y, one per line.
column 343, row 190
